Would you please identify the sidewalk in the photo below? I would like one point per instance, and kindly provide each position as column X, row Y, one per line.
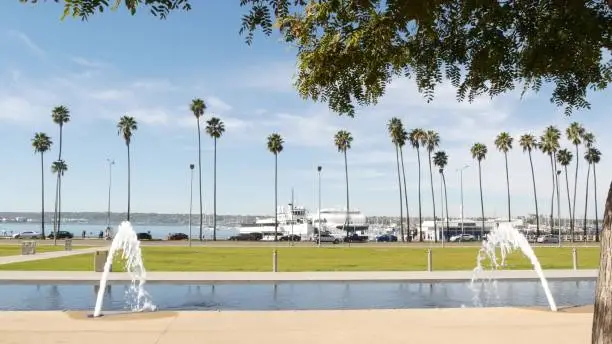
column 47, row 255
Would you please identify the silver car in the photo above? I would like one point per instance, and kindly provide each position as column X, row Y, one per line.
column 27, row 235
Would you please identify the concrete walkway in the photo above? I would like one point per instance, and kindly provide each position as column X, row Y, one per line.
column 47, row 255
column 271, row 277
column 419, row 326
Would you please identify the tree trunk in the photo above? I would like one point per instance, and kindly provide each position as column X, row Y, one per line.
column 420, row 212
column 569, row 202
column 405, row 195
column 129, row 182
column 276, row 197
column 573, row 216
column 348, row 219
column 586, row 203
column 508, row 186
column 399, row 185
column 602, row 315
column 55, row 211
column 446, row 203
column 215, row 191
column 552, row 198
column 481, row 200
column 535, row 196
column 595, row 194
column 59, row 203
column 200, row 176
column 433, row 199
column 42, row 179
column 558, row 197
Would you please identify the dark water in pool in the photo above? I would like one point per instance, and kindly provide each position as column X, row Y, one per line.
column 300, row 296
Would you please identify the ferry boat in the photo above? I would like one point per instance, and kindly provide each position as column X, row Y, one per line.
column 292, row 220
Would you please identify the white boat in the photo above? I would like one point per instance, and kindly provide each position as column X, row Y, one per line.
column 292, row 220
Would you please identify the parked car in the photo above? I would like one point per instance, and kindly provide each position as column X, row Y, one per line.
column 326, row 237
column 462, row 237
column 356, row 238
column 548, row 239
column 386, row 238
column 61, row 235
column 144, row 236
column 246, row 237
column 27, row 235
column 291, row 237
column 178, row 236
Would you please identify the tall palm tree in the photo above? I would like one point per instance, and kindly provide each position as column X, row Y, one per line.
column 395, row 129
column 275, row 146
column 343, row 140
column 41, row 144
column 403, row 138
column 594, row 158
column 549, row 144
column 215, row 128
column 503, row 142
column 60, row 116
column 58, row 167
column 126, row 127
column 479, row 152
column 564, row 157
column 574, row 134
column 198, row 107
column 416, row 137
column 431, row 141
column 529, row 143
column 441, row 160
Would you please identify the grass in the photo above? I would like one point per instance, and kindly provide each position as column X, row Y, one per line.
column 314, row 259
column 15, row 250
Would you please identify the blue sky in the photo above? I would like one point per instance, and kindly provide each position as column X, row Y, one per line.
column 116, row 64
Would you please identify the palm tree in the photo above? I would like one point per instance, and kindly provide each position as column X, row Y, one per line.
column 403, row 138
column 432, row 139
column 343, row 140
column 549, row 144
column 574, row 134
column 215, row 128
column 479, row 152
column 594, row 158
column 126, row 127
column 197, row 108
column 529, row 143
column 395, row 129
column 60, row 115
column 503, row 142
column 564, row 157
column 58, row 167
column 42, row 143
column 441, row 160
column 416, row 137
column 275, row 146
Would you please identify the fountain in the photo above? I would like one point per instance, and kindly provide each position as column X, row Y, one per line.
column 127, row 241
column 508, row 239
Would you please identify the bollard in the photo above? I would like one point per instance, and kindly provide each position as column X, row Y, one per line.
column 575, row 258
column 274, row 261
column 100, row 260
column 429, row 260
column 68, row 245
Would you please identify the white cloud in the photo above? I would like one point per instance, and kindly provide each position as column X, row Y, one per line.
column 27, row 41
column 88, row 62
column 215, row 104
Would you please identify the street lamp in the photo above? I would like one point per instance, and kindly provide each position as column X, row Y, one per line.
column 460, row 170
column 191, row 167
column 111, row 162
column 319, row 168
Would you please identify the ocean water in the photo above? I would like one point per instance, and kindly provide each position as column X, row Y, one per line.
column 157, row 232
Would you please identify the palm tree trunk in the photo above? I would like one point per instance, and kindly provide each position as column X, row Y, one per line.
column 420, row 213
column 569, row 203
column 595, row 194
column 552, row 199
column 446, row 203
column 129, row 183
column 558, row 197
column 59, row 185
column 481, row 200
column 573, row 216
column 508, row 186
column 200, row 176
column 42, row 179
column 586, row 203
column 347, row 194
column 276, row 197
column 601, row 332
column 405, row 196
column 399, row 185
column 433, row 199
column 215, row 191
column 55, row 212
column 535, row 196
column 59, row 206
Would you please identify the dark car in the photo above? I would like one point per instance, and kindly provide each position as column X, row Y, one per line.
column 61, row 235
column 291, row 237
column 178, row 236
column 386, row 238
column 144, row 236
column 247, row 237
column 356, row 238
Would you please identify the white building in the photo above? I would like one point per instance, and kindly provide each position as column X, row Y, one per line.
column 455, row 227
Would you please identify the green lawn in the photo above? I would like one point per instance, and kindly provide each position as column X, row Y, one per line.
column 15, row 250
column 313, row 259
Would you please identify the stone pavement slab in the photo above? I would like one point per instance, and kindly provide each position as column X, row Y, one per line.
column 47, row 255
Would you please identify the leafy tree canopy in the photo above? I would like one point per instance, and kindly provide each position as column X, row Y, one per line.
column 350, row 50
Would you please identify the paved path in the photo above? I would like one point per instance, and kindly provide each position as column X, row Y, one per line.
column 271, row 277
column 46, row 255
column 420, row 326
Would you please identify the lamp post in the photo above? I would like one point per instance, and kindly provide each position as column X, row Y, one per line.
column 191, row 167
column 319, row 168
column 111, row 162
column 461, row 182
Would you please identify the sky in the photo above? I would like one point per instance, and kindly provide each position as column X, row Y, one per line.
column 151, row 69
